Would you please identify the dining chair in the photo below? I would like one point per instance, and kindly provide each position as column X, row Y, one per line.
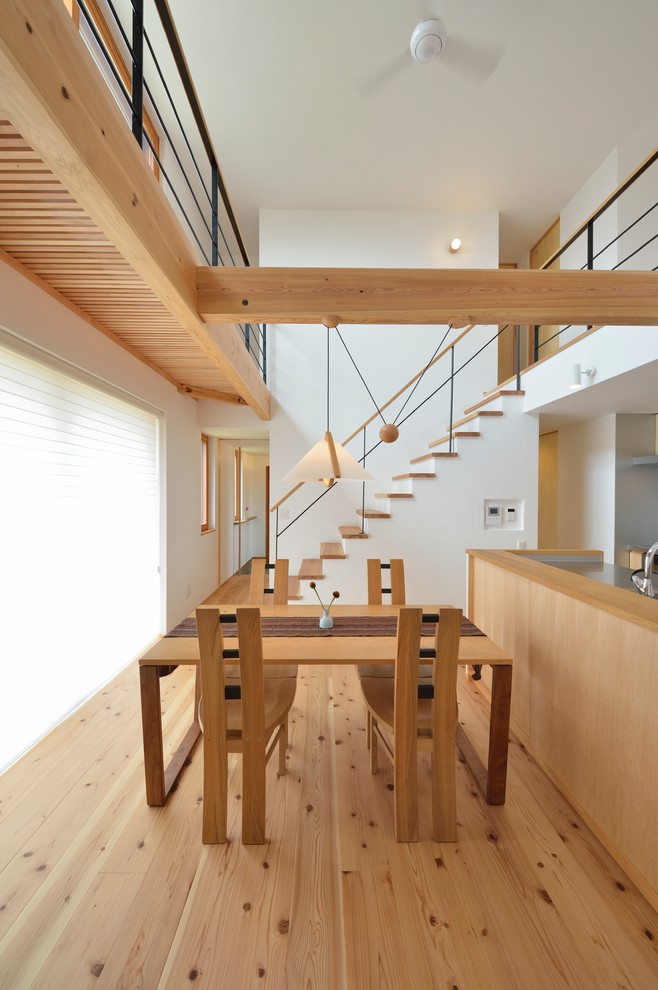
column 377, row 588
column 258, row 587
column 245, row 713
column 377, row 583
column 409, row 714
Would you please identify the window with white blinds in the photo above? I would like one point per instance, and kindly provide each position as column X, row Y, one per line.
column 79, row 541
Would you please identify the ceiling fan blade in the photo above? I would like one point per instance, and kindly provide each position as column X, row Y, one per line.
column 377, row 78
column 476, row 61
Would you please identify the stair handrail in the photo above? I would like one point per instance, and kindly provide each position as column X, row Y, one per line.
column 374, row 416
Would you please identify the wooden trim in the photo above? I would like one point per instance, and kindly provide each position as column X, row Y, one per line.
column 452, row 296
column 208, row 393
column 205, row 484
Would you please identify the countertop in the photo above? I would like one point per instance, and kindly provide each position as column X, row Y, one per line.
column 611, row 574
column 581, row 575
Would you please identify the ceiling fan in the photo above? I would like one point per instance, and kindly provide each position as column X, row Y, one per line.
column 430, row 42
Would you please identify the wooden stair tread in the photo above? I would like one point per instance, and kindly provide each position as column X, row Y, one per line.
column 427, row 457
column 476, row 415
column 491, row 396
column 310, row 570
column 294, row 590
column 459, row 434
column 413, row 474
column 394, row 495
column 373, row 514
column 352, row 533
column 331, row 551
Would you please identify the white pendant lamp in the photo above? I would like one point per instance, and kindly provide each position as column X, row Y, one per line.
column 328, row 461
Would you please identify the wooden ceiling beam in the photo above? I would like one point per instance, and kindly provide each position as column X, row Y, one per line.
column 403, row 295
column 54, row 95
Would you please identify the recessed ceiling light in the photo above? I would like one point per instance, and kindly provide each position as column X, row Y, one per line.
column 455, row 245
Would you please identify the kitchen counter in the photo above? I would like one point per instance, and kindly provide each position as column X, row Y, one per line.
column 610, row 574
column 585, row 696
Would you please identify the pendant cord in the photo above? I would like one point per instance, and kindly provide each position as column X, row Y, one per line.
column 360, row 376
column 327, row 379
column 395, row 421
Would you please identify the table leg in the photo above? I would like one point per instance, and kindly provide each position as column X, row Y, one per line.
column 149, row 683
column 501, row 696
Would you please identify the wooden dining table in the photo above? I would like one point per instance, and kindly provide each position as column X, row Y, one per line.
column 173, row 650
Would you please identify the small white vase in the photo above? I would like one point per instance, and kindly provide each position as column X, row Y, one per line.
column 326, row 621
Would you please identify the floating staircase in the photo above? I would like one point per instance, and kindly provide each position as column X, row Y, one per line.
column 331, row 551
column 311, row 569
column 352, row 533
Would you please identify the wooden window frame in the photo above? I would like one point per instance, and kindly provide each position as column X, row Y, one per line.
column 115, row 55
column 205, row 484
column 237, row 485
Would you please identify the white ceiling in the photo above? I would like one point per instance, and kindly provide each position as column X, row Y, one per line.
column 318, row 105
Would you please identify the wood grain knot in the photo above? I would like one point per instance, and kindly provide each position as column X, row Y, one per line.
column 246, row 906
column 261, row 972
column 65, row 93
column 648, row 934
column 97, row 969
column 29, row 27
column 284, row 926
column 193, row 974
column 619, row 885
column 545, row 896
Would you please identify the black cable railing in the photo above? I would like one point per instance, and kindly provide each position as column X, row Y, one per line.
column 186, row 159
column 585, row 235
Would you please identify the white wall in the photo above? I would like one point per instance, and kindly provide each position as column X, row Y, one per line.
column 189, row 559
column 447, row 515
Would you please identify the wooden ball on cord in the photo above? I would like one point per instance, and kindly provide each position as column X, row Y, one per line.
column 389, row 433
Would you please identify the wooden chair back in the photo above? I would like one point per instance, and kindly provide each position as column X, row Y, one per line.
column 245, row 727
column 420, row 717
column 259, row 590
column 378, row 586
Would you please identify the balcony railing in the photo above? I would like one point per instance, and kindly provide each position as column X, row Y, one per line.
column 144, row 66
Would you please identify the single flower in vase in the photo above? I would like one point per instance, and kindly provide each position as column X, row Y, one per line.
column 326, row 621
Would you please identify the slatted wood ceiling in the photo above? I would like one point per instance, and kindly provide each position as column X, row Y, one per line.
column 44, row 229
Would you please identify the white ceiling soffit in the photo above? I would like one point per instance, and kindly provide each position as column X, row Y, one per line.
column 321, row 106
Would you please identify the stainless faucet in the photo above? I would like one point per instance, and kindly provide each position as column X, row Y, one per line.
column 643, row 582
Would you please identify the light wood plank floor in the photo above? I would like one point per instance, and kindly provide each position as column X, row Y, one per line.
column 99, row 891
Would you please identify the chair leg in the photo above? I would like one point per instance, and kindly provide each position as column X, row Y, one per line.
column 283, row 746
column 373, row 746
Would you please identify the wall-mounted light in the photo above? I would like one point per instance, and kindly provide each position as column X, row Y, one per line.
column 577, row 376
column 454, row 245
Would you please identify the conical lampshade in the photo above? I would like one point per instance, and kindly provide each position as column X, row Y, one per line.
column 327, row 461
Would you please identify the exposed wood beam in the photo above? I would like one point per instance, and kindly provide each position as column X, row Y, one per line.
column 208, row 393
column 394, row 295
column 54, row 95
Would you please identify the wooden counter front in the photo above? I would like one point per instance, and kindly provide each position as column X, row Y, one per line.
column 585, row 698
